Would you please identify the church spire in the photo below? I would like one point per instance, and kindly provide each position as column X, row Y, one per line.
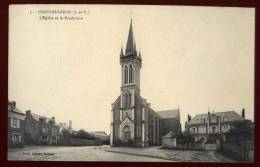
column 130, row 46
column 140, row 56
column 121, row 52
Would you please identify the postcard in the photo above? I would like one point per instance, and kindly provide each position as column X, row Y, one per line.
column 134, row 83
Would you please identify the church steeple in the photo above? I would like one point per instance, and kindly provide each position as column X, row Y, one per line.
column 130, row 46
column 131, row 64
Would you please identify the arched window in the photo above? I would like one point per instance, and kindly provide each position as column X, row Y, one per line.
column 129, row 99
column 124, row 100
column 126, row 75
column 130, row 74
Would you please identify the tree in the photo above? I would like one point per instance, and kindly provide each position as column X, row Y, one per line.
column 65, row 133
column 240, row 132
column 82, row 134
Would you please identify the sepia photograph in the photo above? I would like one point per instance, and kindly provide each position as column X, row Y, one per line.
column 131, row 83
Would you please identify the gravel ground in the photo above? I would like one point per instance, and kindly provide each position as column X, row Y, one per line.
column 88, row 153
column 174, row 155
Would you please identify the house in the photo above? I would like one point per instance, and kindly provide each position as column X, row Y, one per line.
column 41, row 130
column 203, row 125
column 15, row 125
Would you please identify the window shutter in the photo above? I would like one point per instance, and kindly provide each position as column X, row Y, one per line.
column 20, row 138
column 11, row 122
column 18, row 123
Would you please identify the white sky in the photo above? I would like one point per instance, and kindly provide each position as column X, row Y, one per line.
column 194, row 57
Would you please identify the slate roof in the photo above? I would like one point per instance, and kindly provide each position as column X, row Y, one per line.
column 230, row 115
column 16, row 110
column 169, row 135
column 37, row 118
column 169, row 113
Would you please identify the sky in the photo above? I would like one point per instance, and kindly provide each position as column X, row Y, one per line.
column 193, row 57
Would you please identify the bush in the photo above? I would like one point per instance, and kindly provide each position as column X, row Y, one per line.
column 82, row 134
column 186, row 138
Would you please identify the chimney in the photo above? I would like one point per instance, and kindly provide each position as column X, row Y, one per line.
column 43, row 119
column 70, row 124
column 189, row 117
column 28, row 112
column 14, row 104
column 53, row 120
column 243, row 113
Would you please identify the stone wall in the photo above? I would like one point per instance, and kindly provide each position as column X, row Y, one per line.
column 171, row 144
column 79, row 142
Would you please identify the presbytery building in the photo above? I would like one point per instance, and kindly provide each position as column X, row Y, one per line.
column 133, row 121
column 202, row 126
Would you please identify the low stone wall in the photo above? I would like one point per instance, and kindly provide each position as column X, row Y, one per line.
column 210, row 147
column 192, row 146
column 80, row 142
column 84, row 142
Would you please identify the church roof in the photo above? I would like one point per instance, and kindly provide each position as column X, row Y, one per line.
column 229, row 115
column 130, row 46
column 169, row 113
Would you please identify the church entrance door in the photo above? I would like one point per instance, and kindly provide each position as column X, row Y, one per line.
column 126, row 133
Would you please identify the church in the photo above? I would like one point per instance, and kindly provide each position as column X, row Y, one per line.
column 133, row 121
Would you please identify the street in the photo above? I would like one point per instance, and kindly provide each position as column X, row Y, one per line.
column 56, row 153
column 107, row 153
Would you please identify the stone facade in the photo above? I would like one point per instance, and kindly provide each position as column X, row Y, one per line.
column 41, row 130
column 203, row 125
column 133, row 121
column 15, row 126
